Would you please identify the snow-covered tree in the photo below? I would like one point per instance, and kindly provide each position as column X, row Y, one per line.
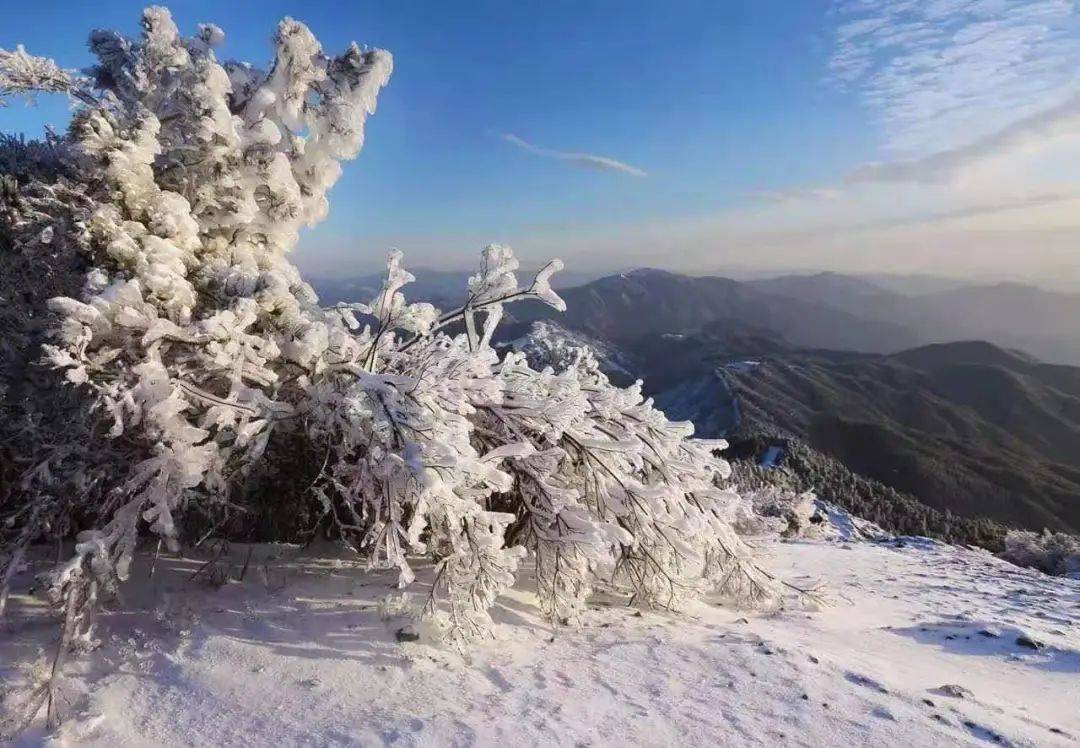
column 1051, row 552
column 204, row 363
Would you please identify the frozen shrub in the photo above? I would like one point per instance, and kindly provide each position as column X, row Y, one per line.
column 204, row 363
column 1050, row 552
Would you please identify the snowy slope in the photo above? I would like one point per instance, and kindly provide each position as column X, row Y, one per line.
column 547, row 343
column 304, row 652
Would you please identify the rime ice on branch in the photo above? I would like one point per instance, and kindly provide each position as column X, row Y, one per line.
column 208, row 362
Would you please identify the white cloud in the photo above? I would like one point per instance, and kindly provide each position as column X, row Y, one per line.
column 979, row 101
column 793, row 194
column 978, row 105
column 1037, row 131
column 937, row 74
column 584, row 160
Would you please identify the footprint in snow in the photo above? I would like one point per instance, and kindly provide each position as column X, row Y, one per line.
column 985, row 733
column 882, row 713
column 866, row 682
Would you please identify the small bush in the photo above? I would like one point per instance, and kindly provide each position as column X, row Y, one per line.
column 1055, row 553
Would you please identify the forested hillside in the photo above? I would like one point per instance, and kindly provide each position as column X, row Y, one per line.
column 965, row 427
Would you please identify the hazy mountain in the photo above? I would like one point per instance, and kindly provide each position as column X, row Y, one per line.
column 827, row 288
column 1012, row 315
column 654, row 302
column 1043, row 323
column 434, row 286
column 915, row 284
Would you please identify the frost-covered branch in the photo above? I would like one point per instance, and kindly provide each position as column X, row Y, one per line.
column 22, row 74
column 488, row 294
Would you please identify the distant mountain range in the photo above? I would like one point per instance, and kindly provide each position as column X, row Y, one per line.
column 877, row 314
column 1042, row 323
column 654, row 302
column 864, row 375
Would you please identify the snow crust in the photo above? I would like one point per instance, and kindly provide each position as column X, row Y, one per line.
column 304, row 651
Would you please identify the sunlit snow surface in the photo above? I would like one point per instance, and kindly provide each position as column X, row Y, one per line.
column 304, row 652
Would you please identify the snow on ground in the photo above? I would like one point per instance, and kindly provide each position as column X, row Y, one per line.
column 304, row 652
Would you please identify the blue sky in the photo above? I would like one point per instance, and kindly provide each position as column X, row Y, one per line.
column 752, row 121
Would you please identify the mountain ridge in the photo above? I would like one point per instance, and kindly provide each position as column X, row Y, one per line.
column 978, row 439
